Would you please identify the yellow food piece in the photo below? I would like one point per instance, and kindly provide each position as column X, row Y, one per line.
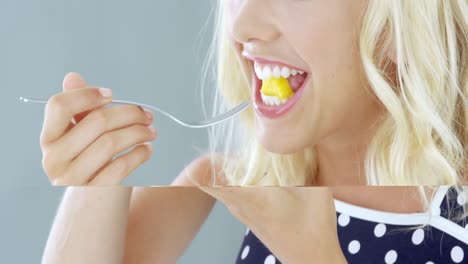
column 277, row 87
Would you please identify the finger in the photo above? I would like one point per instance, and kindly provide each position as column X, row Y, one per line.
column 61, row 108
column 73, row 81
column 236, row 199
column 104, row 149
column 97, row 123
column 117, row 170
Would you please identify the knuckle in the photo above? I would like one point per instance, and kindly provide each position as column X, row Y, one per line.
column 98, row 117
column 121, row 166
column 107, row 142
column 57, row 104
column 49, row 164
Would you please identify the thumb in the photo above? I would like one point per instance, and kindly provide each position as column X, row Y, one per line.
column 73, row 81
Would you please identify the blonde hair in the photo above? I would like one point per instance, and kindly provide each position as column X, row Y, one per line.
column 423, row 137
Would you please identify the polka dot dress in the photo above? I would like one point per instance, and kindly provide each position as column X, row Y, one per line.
column 371, row 236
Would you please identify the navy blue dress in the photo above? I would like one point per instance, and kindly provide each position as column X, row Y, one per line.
column 371, row 236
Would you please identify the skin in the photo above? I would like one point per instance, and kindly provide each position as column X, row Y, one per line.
column 81, row 152
column 132, row 225
column 337, row 111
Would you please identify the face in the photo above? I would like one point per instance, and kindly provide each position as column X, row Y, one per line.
column 318, row 92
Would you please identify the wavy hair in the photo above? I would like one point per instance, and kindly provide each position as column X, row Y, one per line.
column 423, row 137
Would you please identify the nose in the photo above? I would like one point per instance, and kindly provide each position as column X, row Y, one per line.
column 251, row 20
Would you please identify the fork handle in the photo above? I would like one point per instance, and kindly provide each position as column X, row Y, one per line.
column 121, row 102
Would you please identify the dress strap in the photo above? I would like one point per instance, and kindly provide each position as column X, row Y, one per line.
column 439, row 196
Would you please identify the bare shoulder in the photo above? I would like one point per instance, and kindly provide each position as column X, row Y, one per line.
column 205, row 170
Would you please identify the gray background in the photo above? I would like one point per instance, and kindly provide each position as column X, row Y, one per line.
column 145, row 50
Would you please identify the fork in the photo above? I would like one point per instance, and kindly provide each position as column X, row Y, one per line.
column 200, row 124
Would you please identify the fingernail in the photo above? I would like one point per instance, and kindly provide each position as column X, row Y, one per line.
column 153, row 130
column 148, row 145
column 106, row 92
column 148, row 113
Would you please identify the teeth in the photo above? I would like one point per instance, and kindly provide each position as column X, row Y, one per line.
column 273, row 100
column 258, row 71
column 277, row 72
column 268, row 71
column 285, row 72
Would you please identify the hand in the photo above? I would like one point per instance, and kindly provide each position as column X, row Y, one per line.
column 297, row 224
column 80, row 137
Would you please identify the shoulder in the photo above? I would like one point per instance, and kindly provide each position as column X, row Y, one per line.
column 205, row 170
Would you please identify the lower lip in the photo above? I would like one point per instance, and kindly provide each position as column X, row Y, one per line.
column 273, row 112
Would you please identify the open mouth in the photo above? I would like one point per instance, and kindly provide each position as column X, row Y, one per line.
column 278, row 88
column 278, row 83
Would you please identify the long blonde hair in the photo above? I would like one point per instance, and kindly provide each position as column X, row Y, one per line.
column 423, row 138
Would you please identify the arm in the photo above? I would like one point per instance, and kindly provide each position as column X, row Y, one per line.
column 164, row 220
column 89, row 226
column 93, row 224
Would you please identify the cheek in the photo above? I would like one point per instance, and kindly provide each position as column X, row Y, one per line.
column 324, row 34
column 329, row 46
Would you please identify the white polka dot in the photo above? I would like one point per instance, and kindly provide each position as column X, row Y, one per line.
column 270, row 260
column 247, row 231
column 343, row 220
column 429, row 262
column 380, row 230
column 245, row 252
column 418, row 236
column 391, row 257
column 354, row 247
column 461, row 198
column 457, row 254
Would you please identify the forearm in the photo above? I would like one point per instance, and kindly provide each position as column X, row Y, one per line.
column 163, row 221
column 90, row 226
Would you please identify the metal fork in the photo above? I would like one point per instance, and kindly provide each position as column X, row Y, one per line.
column 201, row 124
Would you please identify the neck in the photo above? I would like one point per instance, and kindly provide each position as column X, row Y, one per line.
column 341, row 157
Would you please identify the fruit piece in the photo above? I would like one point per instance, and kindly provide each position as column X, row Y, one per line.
column 278, row 87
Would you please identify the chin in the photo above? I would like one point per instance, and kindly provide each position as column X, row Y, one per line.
column 278, row 146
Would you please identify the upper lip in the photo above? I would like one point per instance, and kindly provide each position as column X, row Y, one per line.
column 269, row 60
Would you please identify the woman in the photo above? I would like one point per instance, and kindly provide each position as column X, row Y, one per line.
column 343, row 93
